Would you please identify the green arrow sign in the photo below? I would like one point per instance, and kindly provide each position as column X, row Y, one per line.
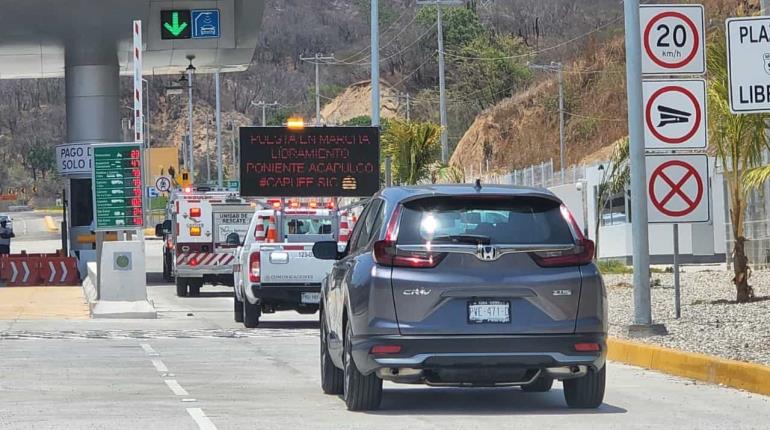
column 175, row 24
column 175, row 27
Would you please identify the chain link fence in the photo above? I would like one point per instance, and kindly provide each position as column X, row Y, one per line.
column 537, row 175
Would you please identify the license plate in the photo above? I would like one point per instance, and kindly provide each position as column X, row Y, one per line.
column 489, row 312
column 310, row 298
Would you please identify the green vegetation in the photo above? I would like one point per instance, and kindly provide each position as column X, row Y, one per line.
column 158, row 203
column 359, row 121
column 613, row 267
column 739, row 141
column 413, row 146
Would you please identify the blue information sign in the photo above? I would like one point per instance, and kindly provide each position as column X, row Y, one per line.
column 205, row 23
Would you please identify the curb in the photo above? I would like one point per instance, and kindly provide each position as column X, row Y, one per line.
column 50, row 224
column 731, row 373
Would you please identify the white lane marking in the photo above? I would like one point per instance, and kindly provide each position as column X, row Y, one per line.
column 204, row 423
column 159, row 366
column 175, row 387
column 148, row 349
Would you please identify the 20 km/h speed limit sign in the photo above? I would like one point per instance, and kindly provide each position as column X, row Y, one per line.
column 675, row 114
column 678, row 189
column 673, row 41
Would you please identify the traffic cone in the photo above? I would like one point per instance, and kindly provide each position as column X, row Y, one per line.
column 272, row 234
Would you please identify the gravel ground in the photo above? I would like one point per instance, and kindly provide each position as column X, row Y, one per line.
column 711, row 322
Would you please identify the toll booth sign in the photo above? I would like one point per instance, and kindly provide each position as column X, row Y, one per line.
column 310, row 162
column 117, row 187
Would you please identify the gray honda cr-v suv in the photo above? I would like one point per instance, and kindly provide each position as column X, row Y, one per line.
column 463, row 285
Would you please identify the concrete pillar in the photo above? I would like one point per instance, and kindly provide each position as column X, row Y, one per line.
column 92, row 89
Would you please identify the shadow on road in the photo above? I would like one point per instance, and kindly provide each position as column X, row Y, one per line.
column 288, row 324
column 480, row 401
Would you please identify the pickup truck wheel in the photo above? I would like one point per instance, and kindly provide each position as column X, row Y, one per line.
column 237, row 308
column 540, row 385
column 167, row 267
column 332, row 378
column 181, row 286
column 586, row 392
column 251, row 314
column 362, row 392
column 195, row 287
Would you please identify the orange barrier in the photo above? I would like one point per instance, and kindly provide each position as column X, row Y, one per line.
column 38, row 269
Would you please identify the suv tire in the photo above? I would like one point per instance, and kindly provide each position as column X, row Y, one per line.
column 586, row 392
column 542, row 384
column 237, row 308
column 362, row 392
column 332, row 378
column 181, row 286
column 251, row 314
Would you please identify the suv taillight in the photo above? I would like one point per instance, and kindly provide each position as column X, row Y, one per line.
column 386, row 253
column 254, row 267
column 582, row 253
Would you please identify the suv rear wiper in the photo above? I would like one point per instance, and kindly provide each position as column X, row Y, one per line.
column 474, row 239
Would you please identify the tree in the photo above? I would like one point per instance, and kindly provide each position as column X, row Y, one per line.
column 739, row 141
column 363, row 120
column 615, row 178
column 413, row 147
column 460, row 25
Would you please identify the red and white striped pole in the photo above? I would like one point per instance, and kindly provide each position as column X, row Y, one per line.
column 138, row 100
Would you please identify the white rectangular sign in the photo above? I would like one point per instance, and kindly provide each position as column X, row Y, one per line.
column 675, row 114
column 748, row 63
column 74, row 159
column 678, row 189
column 673, row 40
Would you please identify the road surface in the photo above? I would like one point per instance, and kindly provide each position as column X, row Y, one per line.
column 194, row 368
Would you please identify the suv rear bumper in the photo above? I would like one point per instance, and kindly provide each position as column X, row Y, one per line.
column 479, row 352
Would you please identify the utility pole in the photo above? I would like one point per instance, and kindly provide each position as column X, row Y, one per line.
column 208, row 153
column 264, row 107
column 559, row 68
column 408, row 116
column 220, row 168
column 317, row 59
column 235, row 159
column 641, row 245
column 764, row 6
column 441, row 72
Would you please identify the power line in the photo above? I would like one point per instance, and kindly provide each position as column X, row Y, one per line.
column 382, row 60
column 317, row 60
column 368, row 47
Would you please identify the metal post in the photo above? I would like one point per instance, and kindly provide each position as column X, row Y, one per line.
column 264, row 108
column 220, row 168
column 641, row 250
column 208, row 153
column 562, row 149
column 232, row 142
column 442, row 89
column 190, row 140
column 764, row 6
column 677, row 291
column 185, row 163
column 388, row 171
column 375, row 73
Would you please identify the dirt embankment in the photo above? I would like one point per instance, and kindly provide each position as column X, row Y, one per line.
column 356, row 101
column 524, row 129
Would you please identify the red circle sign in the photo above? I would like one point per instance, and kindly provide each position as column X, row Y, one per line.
column 695, row 45
column 675, row 189
column 651, row 125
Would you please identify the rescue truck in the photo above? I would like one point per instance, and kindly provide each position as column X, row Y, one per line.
column 199, row 244
column 276, row 269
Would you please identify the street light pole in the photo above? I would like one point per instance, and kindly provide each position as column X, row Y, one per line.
column 375, row 54
column 190, row 142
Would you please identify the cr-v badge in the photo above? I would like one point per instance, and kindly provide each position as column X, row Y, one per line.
column 416, row 292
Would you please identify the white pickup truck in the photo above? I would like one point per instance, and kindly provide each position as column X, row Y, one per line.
column 275, row 268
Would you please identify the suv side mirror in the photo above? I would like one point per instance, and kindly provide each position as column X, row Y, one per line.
column 233, row 239
column 326, row 250
column 159, row 230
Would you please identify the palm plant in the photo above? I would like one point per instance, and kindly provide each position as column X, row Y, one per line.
column 413, row 147
column 739, row 141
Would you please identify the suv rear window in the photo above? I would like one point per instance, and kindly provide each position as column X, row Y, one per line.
column 487, row 220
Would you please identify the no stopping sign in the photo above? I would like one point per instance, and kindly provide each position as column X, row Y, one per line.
column 678, row 189
column 672, row 39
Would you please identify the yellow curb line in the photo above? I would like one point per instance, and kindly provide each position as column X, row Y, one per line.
column 50, row 224
column 737, row 374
